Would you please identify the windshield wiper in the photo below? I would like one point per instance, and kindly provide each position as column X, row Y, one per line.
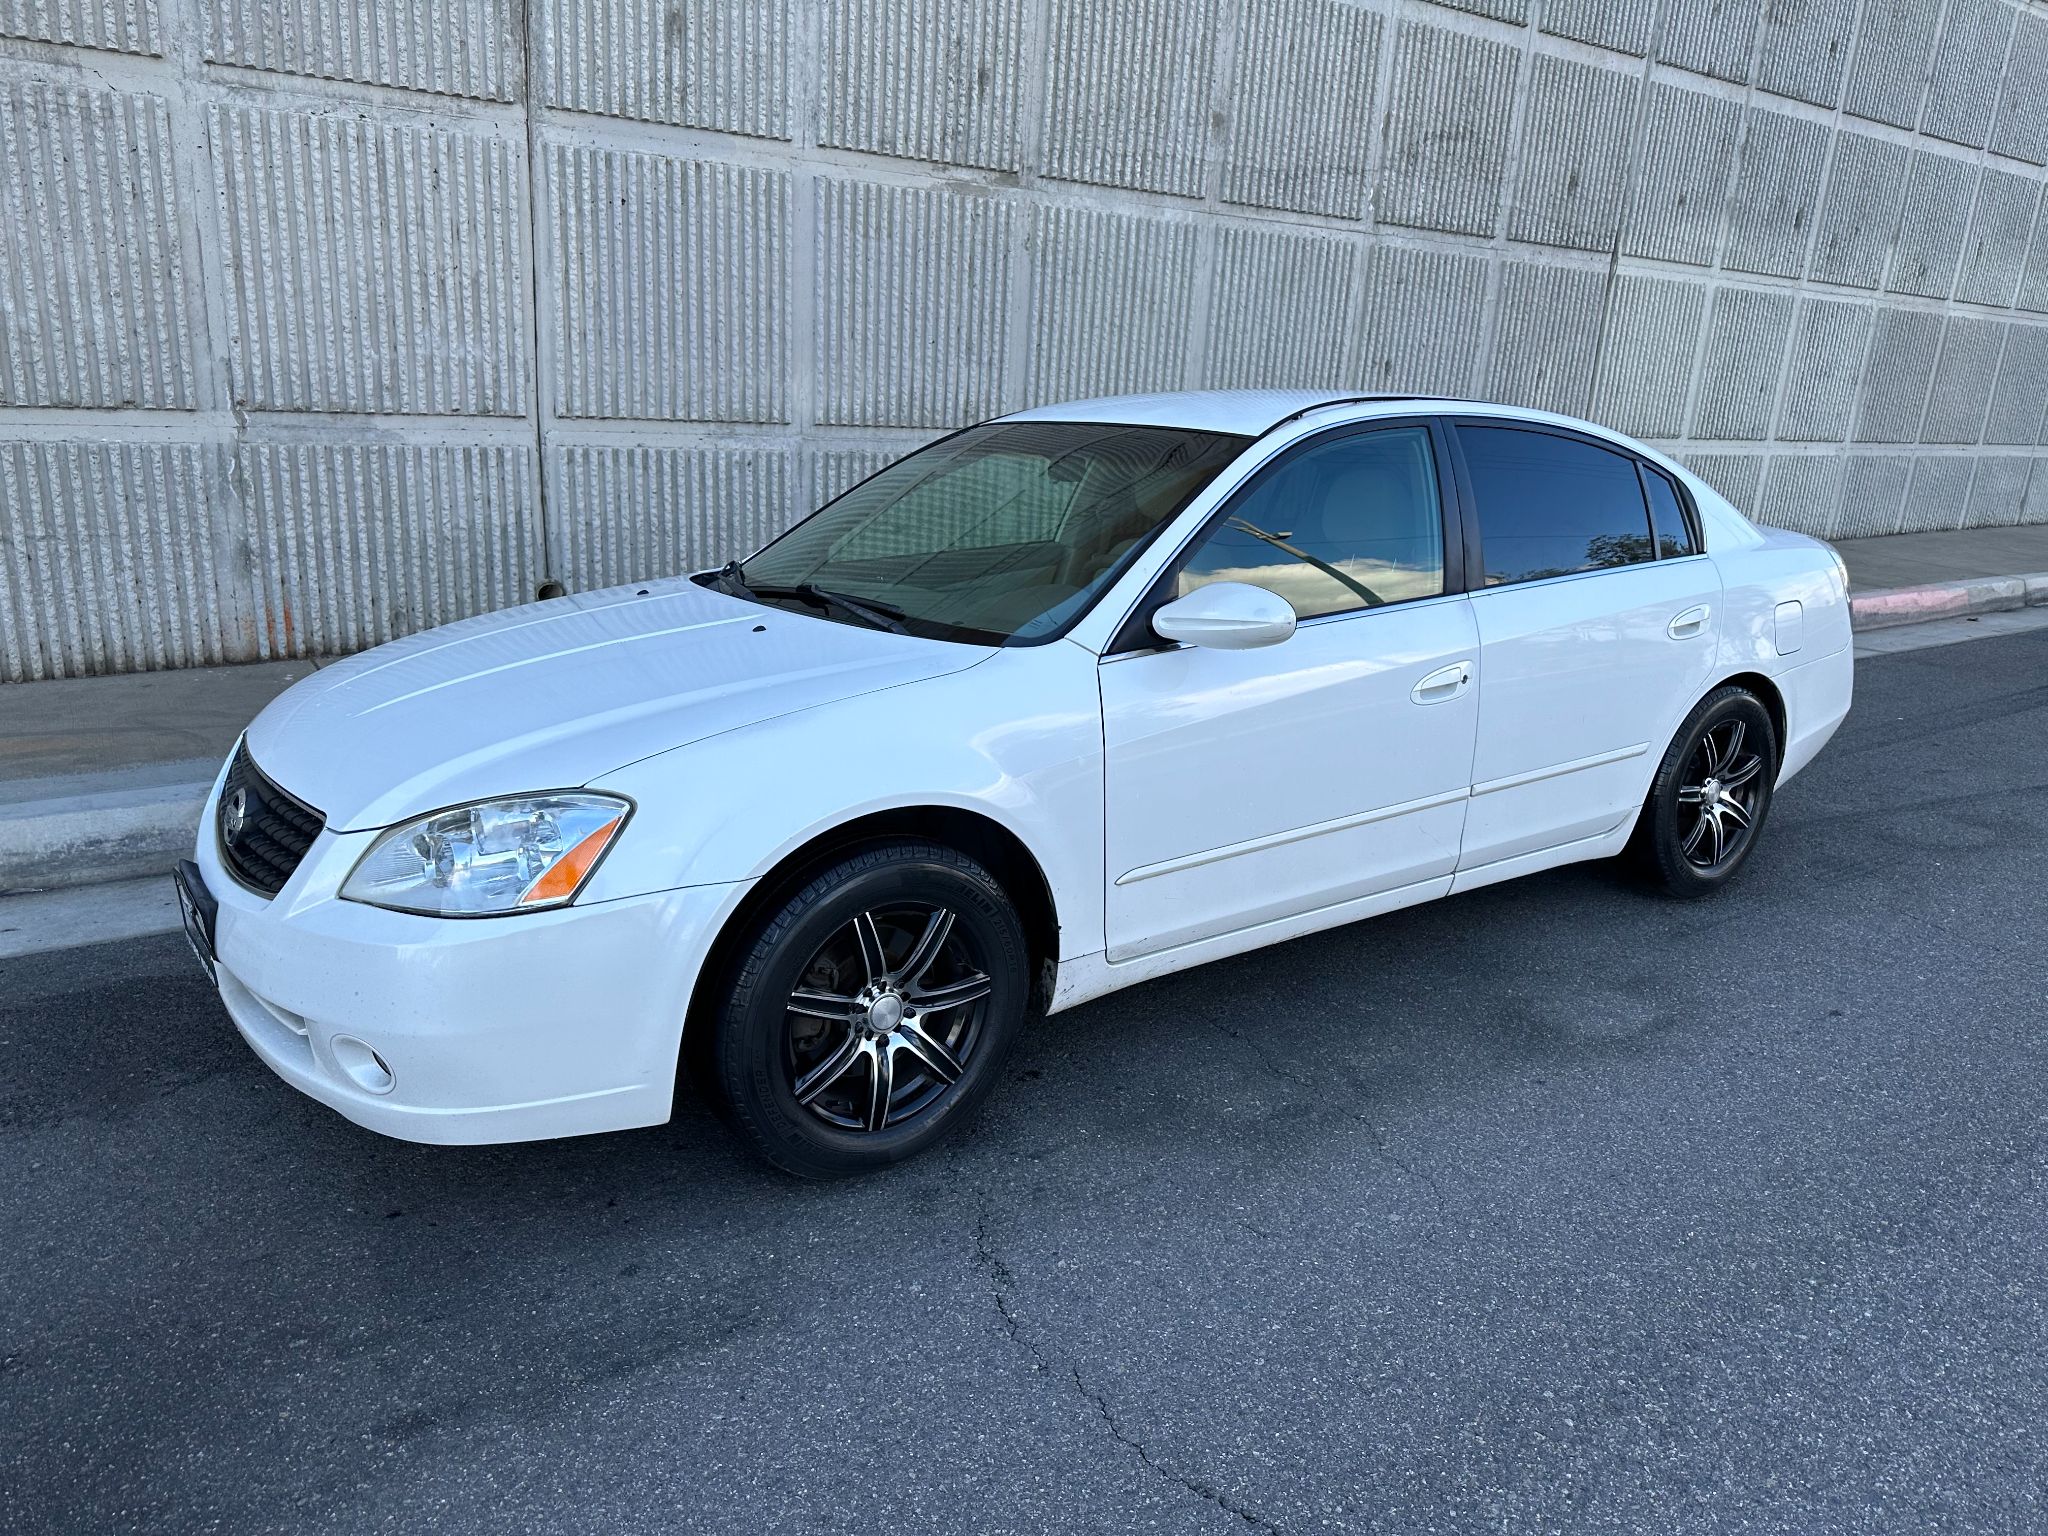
column 732, row 581
column 876, row 615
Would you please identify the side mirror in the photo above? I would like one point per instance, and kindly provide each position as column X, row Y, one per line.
column 1226, row 616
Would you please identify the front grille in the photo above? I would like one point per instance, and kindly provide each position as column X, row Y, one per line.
column 264, row 832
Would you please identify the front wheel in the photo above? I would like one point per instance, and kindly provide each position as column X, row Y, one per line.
column 872, row 1010
column 1707, row 805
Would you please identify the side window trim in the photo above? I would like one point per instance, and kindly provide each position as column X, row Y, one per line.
column 1475, row 561
column 1135, row 635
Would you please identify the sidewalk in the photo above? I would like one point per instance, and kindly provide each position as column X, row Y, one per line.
column 102, row 778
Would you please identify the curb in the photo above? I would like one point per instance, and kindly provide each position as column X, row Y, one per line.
column 128, row 823
column 98, row 827
column 1946, row 600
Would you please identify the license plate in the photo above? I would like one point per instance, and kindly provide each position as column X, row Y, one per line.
column 197, row 906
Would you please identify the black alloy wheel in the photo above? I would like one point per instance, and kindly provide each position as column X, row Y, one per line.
column 1707, row 806
column 885, row 1018
column 871, row 1009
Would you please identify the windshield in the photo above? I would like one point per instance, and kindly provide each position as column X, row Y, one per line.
column 1002, row 534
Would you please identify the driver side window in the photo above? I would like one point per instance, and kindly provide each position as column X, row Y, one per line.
column 1352, row 522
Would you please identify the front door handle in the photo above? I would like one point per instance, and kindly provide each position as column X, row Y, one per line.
column 1444, row 683
column 1689, row 623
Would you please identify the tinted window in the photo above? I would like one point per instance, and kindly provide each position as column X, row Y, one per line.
column 1350, row 523
column 1003, row 533
column 1674, row 533
column 1551, row 505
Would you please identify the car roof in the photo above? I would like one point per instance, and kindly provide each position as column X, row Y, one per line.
column 1245, row 411
column 1253, row 412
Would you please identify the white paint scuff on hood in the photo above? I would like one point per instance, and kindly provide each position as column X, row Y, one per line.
column 553, row 695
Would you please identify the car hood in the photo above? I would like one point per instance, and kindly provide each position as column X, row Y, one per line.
column 555, row 694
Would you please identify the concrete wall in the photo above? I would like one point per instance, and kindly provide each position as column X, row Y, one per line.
column 321, row 322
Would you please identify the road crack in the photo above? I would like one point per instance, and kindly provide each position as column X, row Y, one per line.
column 1193, row 1485
column 1001, row 1280
column 1376, row 1136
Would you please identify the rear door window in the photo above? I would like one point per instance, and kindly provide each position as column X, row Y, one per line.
column 1551, row 505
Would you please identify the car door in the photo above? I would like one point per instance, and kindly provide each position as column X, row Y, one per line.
column 1597, row 631
column 1244, row 787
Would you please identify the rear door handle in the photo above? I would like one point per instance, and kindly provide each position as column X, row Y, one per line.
column 1444, row 683
column 1688, row 623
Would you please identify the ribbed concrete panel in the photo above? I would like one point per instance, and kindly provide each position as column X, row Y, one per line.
column 1962, row 94
column 926, row 79
column 121, row 26
column 93, row 305
column 1873, row 489
column 1801, row 491
column 1931, row 228
column 1860, row 213
column 1746, row 333
column 370, row 265
column 1626, row 26
column 1939, row 493
column 1711, row 37
column 454, row 47
column 1826, row 364
column 2021, row 127
column 1447, row 131
column 1805, row 49
column 117, row 558
column 1997, row 491
column 2033, row 292
column 1776, row 196
column 1646, row 353
column 720, row 64
column 1570, row 195
column 1128, row 93
column 2020, row 400
column 1422, row 315
column 1546, row 336
column 359, row 543
column 1500, row 10
column 1112, row 293
column 1995, row 252
column 1894, row 52
column 913, row 296
column 672, row 287
column 1278, row 311
column 1735, row 475
column 1302, row 107
column 1902, row 354
column 1961, row 391
column 634, row 513
column 1675, row 214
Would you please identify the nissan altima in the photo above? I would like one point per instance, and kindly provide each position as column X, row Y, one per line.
column 1061, row 702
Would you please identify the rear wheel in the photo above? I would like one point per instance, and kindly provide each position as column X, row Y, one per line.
column 1711, row 796
column 872, row 1010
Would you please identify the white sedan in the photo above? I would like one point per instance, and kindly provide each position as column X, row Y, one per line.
column 1064, row 701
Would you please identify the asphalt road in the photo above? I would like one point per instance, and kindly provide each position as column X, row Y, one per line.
column 1550, row 1207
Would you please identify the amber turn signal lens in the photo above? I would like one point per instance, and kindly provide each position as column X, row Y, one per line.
column 566, row 873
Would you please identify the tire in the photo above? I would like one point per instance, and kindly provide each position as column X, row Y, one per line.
column 902, row 968
column 1712, row 795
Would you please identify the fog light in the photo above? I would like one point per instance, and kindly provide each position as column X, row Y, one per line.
column 365, row 1068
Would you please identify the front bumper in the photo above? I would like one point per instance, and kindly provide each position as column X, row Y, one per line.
column 556, row 1023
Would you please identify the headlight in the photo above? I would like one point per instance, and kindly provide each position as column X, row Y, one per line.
column 514, row 855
